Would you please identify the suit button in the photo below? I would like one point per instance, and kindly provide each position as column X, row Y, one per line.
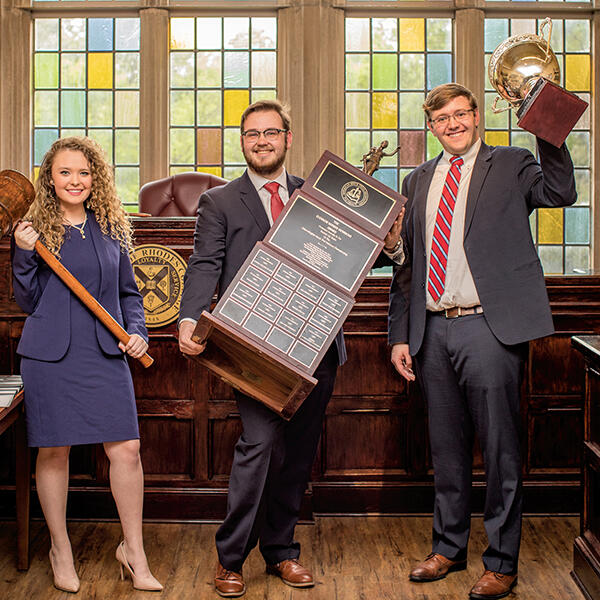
column 422, row 285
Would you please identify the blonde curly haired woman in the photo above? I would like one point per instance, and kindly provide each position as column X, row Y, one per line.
column 78, row 388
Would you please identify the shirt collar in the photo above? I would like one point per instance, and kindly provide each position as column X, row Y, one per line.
column 468, row 157
column 258, row 181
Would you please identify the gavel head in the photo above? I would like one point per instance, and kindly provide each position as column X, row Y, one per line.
column 16, row 196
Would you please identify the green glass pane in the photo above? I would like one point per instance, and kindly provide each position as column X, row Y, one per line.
column 127, row 34
column 104, row 137
column 208, row 33
column 72, row 34
column 357, row 35
column 46, row 34
column 357, row 144
column 45, row 112
column 392, row 138
column 236, row 32
column 257, row 95
column 578, row 143
column 208, row 69
column 177, row 170
column 411, row 110
column 385, row 34
column 439, row 34
column 577, row 35
column 488, row 86
column 100, row 109
column 357, row 110
column 45, row 68
column 264, row 32
column 182, row 107
column 182, row 69
column 403, row 174
column 232, row 152
column 209, row 108
column 582, row 185
column 182, row 146
column 385, row 71
column 577, row 259
column 577, row 225
column 127, row 180
column 533, row 224
column 358, row 70
column 412, row 71
column 495, row 32
column 127, row 147
column 236, row 70
column 127, row 109
column 552, row 259
column 127, row 70
column 557, row 38
column 230, row 173
column 433, row 146
column 264, row 69
column 72, row 109
column 494, row 120
column 524, row 139
column 72, row 70
column 42, row 140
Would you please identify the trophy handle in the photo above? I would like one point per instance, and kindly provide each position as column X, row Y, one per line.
column 547, row 23
column 497, row 110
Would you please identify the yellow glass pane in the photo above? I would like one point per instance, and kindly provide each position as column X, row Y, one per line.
column 497, row 138
column 182, row 33
column 36, row 173
column 218, row 171
column 412, row 35
column 385, row 110
column 550, row 225
column 577, row 72
column 100, row 71
column 234, row 104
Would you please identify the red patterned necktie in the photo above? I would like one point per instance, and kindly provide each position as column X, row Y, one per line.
column 441, row 231
column 276, row 203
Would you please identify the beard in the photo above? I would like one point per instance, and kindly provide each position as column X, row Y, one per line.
column 265, row 168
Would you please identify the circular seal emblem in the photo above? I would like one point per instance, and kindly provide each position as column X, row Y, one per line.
column 159, row 275
column 354, row 193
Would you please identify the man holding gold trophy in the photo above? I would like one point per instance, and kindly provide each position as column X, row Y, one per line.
column 464, row 305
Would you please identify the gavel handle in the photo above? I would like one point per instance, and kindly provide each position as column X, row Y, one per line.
column 95, row 307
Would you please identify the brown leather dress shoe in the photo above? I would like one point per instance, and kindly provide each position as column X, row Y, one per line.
column 229, row 584
column 492, row 586
column 435, row 567
column 292, row 573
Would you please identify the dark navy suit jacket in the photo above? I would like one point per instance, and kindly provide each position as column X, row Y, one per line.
column 231, row 219
column 38, row 291
column 507, row 183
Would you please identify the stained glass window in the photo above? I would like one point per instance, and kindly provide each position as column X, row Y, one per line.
column 218, row 66
column 390, row 65
column 562, row 235
column 86, row 82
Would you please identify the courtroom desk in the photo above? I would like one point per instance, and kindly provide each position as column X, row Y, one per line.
column 586, row 555
column 374, row 454
column 15, row 415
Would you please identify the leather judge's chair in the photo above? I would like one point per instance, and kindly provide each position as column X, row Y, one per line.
column 177, row 195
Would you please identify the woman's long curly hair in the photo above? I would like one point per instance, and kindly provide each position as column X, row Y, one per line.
column 46, row 214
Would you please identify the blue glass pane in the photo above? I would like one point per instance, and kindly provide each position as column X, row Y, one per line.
column 72, row 109
column 100, row 34
column 439, row 69
column 42, row 140
column 388, row 177
column 577, row 225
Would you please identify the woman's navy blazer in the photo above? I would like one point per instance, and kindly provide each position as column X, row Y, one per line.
column 38, row 291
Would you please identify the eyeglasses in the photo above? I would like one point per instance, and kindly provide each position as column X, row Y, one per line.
column 459, row 115
column 270, row 134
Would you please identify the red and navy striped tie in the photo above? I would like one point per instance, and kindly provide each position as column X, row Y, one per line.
column 441, row 232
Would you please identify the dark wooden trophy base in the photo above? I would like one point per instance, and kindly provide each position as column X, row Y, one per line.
column 550, row 112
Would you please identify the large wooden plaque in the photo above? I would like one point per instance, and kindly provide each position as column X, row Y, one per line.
column 280, row 314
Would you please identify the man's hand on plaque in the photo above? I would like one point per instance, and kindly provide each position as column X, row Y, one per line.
column 186, row 345
column 392, row 239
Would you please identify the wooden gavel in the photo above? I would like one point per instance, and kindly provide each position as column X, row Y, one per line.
column 16, row 196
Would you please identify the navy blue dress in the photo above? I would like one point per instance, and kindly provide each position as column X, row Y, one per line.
column 87, row 396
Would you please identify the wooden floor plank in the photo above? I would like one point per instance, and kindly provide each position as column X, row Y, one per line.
column 352, row 558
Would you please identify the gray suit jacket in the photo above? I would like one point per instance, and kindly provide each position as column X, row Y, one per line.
column 231, row 219
column 507, row 183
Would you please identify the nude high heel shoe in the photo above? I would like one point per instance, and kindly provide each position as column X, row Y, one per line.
column 65, row 584
column 146, row 584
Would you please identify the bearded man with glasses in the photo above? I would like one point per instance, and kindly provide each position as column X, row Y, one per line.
column 464, row 305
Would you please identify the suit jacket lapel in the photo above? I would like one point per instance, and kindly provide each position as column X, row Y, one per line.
column 421, row 192
column 250, row 198
column 481, row 167
column 101, row 251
